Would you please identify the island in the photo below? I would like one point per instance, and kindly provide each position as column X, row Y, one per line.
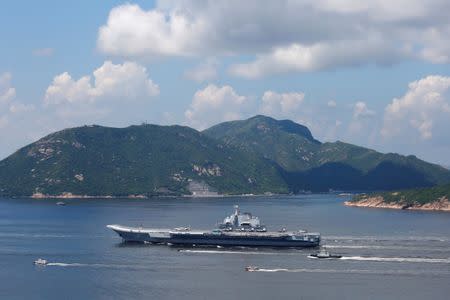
column 257, row 156
column 432, row 199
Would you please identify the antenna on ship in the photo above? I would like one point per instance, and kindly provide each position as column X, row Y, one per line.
column 236, row 210
column 236, row 216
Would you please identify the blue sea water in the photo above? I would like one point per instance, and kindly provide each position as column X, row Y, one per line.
column 387, row 254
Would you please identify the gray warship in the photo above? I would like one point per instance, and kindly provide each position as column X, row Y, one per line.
column 238, row 229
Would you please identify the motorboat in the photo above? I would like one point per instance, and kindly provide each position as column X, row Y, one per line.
column 323, row 253
column 40, row 262
column 251, row 268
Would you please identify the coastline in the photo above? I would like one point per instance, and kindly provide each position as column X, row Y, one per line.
column 74, row 196
column 68, row 195
column 441, row 204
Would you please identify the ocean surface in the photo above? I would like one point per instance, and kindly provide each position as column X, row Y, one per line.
column 387, row 254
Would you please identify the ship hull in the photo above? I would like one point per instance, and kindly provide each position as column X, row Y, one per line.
column 233, row 242
column 130, row 234
column 138, row 235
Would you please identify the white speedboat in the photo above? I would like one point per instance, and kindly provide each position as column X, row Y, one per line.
column 251, row 268
column 40, row 262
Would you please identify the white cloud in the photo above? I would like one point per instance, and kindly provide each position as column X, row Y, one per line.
column 204, row 72
column 424, row 109
column 43, row 52
column 320, row 56
column 360, row 109
column 382, row 10
column 355, row 32
column 132, row 31
column 363, row 126
column 65, row 89
column 122, row 81
column 8, row 102
column 14, row 117
column 281, row 104
column 331, row 103
column 216, row 104
column 7, row 92
column 114, row 95
column 17, row 107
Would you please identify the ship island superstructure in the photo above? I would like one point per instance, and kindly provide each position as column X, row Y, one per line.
column 238, row 229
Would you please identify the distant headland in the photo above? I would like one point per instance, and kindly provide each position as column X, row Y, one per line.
column 433, row 199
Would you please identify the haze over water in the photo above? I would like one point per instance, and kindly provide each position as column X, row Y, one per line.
column 387, row 254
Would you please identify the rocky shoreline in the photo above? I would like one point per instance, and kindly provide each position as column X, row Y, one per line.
column 441, row 204
column 73, row 196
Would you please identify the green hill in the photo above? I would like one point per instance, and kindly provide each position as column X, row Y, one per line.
column 147, row 159
column 257, row 155
column 288, row 144
column 307, row 164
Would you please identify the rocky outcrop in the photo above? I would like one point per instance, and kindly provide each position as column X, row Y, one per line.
column 65, row 195
column 441, row 204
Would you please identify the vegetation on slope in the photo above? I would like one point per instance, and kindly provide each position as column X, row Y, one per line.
column 257, row 155
column 307, row 164
column 412, row 196
column 288, row 144
column 147, row 159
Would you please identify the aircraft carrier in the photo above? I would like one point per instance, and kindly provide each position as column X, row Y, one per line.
column 239, row 229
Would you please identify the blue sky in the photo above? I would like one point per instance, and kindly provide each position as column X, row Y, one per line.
column 371, row 73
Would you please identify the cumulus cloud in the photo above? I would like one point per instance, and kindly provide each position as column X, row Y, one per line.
column 320, row 56
column 424, row 109
column 281, row 104
column 215, row 104
column 355, row 32
column 13, row 115
column 203, row 72
column 114, row 95
column 8, row 102
column 122, row 81
column 362, row 123
column 360, row 110
column 7, row 92
column 132, row 31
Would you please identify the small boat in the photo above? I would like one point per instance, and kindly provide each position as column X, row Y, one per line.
column 61, row 203
column 40, row 262
column 324, row 254
column 251, row 268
